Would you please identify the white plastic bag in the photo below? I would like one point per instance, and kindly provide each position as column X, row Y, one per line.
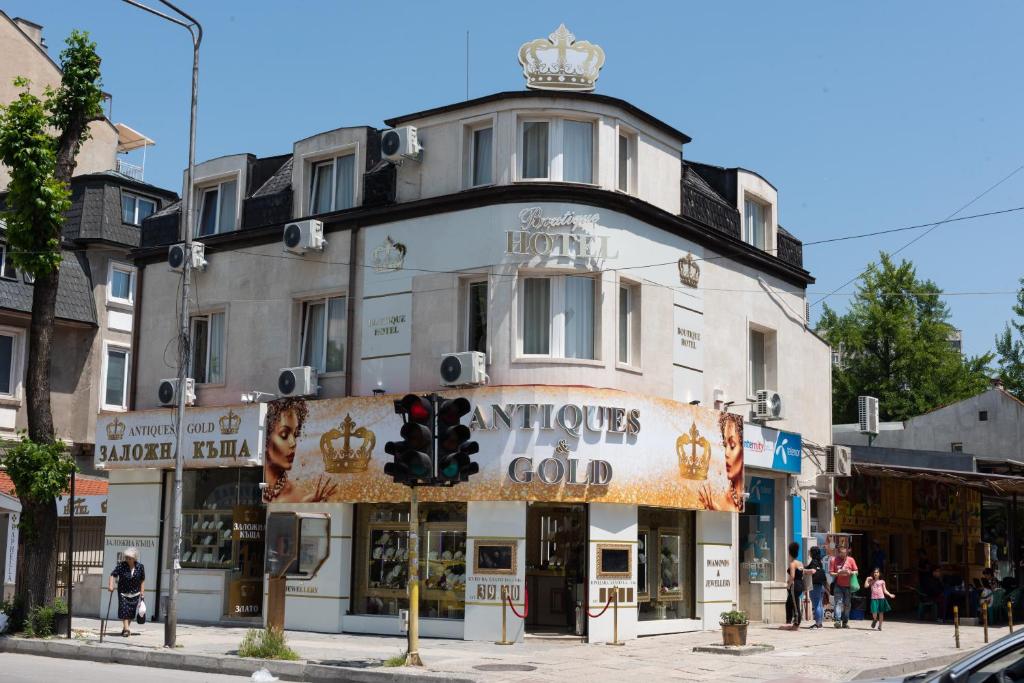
column 3, row 622
column 263, row 676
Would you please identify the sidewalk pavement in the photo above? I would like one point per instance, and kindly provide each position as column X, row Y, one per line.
column 808, row 655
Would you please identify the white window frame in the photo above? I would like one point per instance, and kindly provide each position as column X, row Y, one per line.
column 122, row 267
column 4, row 263
column 770, row 358
column 310, row 159
column 17, row 362
column 556, row 147
column 766, row 213
column 191, row 336
column 205, row 185
column 632, row 150
column 470, row 127
column 303, row 328
column 333, row 161
column 465, row 319
column 556, row 318
column 107, row 347
column 137, row 197
column 634, row 325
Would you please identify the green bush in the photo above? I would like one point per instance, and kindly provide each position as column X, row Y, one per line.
column 15, row 611
column 733, row 618
column 266, row 643
column 40, row 621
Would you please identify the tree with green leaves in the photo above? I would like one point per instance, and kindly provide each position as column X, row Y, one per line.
column 894, row 343
column 1010, row 349
column 39, row 142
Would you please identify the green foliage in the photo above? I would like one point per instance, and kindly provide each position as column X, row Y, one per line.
column 15, row 611
column 268, row 643
column 41, row 621
column 733, row 618
column 80, row 96
column 397, row 660
column 40, row 472
column 1010, row 349
column 894, row 344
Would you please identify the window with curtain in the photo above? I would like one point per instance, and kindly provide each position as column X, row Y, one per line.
column 625, row 324
column 578, row 152
column 756, row 215
column 116, row 387
column 476, row 317
column 135, row 209
column 217, row 210
column 7, row 358
column 332, row 185
column 535, row 149
column 536, row 316
column 625, row 161
column 758, row 369
column 7, row 269
column 323, row 187
column 483, row 160
column 208, row 348
column 558, row 316
column 121, row 289
column 579, row 317
column 323, row 334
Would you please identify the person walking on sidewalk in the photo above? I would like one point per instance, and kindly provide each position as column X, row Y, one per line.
column 131, row 587
column 819, row 581
column 879, row 593
column 844, row 568
column 794, row 586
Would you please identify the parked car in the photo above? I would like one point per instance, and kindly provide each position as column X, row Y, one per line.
column 1001, row 661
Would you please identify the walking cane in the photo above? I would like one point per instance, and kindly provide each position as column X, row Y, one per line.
column 103, row 622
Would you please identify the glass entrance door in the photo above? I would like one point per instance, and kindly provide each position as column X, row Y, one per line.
column 556, row 565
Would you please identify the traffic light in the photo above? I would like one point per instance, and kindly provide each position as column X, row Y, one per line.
column 414, row 454
column 453, row 444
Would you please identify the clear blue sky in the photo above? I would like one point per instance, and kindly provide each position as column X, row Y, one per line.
column 865, row 115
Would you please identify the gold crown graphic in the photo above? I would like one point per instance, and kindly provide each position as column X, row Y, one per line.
column 559, row 62
column 689, row 271
column 693, row 465
column 115, row 429
column 390, row 255
column 347, row 459
column 230, row 423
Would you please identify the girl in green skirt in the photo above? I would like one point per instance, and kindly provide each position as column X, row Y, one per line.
column 879, row 604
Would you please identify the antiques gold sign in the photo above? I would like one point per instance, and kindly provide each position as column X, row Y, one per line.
column 214, row 437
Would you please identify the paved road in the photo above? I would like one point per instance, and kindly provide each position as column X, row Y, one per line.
column 29, row 669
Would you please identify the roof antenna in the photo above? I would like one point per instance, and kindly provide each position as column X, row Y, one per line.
column 467, row 64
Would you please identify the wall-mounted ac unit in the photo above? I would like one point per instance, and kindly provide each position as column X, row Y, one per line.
column 167, row 392
column 867, row 414
column 838, row 461
column 300, row 381
column 768, row 405
column 463, row 369
column 400, row 143
column 177, row 254
column 302, row 236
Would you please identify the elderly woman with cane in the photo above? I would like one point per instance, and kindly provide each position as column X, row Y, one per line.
column 131, row 587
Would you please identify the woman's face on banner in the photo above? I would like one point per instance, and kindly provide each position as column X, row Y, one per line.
column 733, row 453
column 281, row 449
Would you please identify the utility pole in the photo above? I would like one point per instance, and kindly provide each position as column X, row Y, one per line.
column 196, row 31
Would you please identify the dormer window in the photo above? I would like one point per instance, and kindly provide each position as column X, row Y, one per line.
column 755, row 229
column 333, row 184
column 135, row 209
column 217, row 208
column 557, row 149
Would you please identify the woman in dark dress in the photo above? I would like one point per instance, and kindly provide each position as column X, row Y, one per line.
column 131, row 587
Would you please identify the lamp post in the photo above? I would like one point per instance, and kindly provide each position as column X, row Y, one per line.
column 196, row 31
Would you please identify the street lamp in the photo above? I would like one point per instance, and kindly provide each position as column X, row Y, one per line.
column 196, row 31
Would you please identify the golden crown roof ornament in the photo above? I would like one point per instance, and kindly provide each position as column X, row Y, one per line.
column 689, row 271
column 347, row 460
column 692, row 465
column 560, row 62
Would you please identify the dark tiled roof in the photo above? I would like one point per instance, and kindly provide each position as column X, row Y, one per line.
column 694, row 180
column 281, row 180
column 74, row 294
column 172, row 208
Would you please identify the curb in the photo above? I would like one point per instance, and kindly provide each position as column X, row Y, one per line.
column 910, row 667
column 220, row 664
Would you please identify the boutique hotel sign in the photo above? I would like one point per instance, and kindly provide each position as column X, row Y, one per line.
column 568, row 235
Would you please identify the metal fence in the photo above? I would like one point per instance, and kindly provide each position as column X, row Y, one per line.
column 88, row 550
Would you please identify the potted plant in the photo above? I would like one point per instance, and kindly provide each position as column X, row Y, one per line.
column 61, row 618
column 734, row 627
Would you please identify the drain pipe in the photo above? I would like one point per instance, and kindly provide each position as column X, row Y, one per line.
column 350, row 306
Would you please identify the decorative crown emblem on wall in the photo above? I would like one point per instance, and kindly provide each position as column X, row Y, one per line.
column 689, row 271
column 389, row 256
column 347, row 460
column 560, row 62
column 693, row 465
column 115, row 429
column 230, row 423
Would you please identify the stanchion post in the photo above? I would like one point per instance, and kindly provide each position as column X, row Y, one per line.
column 615, row 617
column 956, row 625
column 984, row 622
column 504, row 618
column 1009, row 615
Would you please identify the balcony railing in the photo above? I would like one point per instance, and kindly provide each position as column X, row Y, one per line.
column 131, row 170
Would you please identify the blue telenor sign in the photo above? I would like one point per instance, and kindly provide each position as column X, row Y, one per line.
column 786, row 457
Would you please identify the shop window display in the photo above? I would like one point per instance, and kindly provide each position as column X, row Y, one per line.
column 211, row 500
column 665, row 557
column 383, row 559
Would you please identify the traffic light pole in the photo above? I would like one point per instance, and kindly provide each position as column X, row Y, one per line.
column 412, row 655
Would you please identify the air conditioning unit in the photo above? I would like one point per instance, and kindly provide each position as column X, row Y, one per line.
column 400, row 143
column 768, row 405
column 178, row 253
column 464, row 368
column 167, row 393
column 300, row 381
column 867, row 414
column 302, row 236
column 838, row 461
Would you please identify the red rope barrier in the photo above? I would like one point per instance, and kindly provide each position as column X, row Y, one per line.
column 526, row 604
column 595, row 616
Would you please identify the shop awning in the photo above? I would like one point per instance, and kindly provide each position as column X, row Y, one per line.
column 998, row 484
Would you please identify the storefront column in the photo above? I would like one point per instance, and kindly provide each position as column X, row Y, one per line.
column 613, row 529
column 494, row 523
column 133, row 520
column 716, row 573
column 320, row 603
